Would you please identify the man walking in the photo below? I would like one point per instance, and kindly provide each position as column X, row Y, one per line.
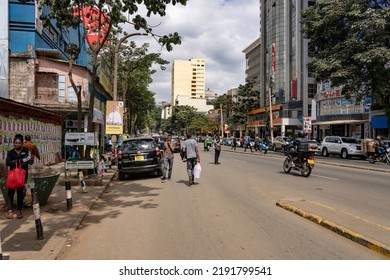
column 248, row 143
column 168, row 159
column 191, row 149
column 217, row 147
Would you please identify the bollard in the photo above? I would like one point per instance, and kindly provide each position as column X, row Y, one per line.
column 3, row 256
column 37, row 214
column 68, row 188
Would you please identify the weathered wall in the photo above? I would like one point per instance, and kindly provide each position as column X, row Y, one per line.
column 22, row 80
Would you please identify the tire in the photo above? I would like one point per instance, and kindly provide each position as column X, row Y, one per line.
column 306, row 169
column 286, row 165
column 324, row 152
column 371, row 158
column 388, row 159
column 159, row 172
column 344, row 154
column 121, row 176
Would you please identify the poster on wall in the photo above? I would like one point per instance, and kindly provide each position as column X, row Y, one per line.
column 46, row 136
column 114, row 117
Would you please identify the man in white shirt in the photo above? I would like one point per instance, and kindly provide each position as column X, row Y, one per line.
column 114, row 118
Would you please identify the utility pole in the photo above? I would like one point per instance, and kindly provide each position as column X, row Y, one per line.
column 271, row 122
column 220, row 106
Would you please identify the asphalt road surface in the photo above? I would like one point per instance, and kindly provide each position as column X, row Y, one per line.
column 229, row 214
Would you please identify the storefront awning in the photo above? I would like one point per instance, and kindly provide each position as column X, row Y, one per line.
column 378, row 122
column 339, row 122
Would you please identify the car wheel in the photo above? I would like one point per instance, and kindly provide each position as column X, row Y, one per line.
column 344, row 154
column 121, row 176
column 325, row 152
column 159, row 172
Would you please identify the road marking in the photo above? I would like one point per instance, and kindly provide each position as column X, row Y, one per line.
column 243, row 161
column 329, row 178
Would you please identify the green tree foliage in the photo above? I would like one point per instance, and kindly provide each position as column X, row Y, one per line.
column 350, row 45
column 186, row 119
column 247, row 100
column 111, row 14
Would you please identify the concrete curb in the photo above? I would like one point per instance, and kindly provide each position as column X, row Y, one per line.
column 356, row 237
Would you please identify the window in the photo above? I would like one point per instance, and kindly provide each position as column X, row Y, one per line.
column 61, row 88
column 72, row 97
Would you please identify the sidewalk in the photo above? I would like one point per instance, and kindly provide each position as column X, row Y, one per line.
column 19, row 237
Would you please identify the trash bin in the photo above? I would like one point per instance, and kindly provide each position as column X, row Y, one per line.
column 44, row 179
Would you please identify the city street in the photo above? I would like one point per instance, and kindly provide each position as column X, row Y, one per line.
column 231, row 213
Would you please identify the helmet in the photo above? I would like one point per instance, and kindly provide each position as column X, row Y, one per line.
column 378, row 137
column 301, row 134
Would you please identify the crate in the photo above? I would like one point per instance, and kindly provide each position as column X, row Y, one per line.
column 368, row 145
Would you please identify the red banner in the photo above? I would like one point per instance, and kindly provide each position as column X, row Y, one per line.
column 90, row 17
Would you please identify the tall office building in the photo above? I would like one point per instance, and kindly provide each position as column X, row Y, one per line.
column 284, row 74
column 188, row 79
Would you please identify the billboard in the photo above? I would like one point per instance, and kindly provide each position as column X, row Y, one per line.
column 307, row 125
column 114, row 117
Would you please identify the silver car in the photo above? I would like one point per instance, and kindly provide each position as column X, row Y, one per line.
column 345, row 147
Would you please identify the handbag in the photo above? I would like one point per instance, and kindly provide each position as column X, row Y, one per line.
column 16, row 177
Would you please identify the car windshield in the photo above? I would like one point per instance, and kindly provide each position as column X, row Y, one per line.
column 138, row 144
column 349, row 140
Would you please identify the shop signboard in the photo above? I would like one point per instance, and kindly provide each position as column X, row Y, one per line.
column 80, row 138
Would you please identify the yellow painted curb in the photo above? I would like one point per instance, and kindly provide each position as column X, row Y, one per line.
column 358, row 238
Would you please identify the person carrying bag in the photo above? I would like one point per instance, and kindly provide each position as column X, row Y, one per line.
column 16, row 177
column 17, row 158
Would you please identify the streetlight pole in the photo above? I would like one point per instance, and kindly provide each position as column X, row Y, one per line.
column 271, row 122
column 220, row 105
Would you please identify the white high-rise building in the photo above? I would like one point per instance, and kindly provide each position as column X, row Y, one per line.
column 188, row 79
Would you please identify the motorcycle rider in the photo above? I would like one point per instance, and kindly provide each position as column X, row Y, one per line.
column 300, row 145
column 379, row 145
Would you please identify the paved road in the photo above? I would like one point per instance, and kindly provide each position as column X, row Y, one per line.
column 230, row 214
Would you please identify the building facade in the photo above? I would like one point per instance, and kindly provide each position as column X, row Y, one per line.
column 188, row 79
column 38, row 64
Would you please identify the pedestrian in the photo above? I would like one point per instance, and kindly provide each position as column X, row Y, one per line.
column 248, row 143
column 22, row 155
column 168, row 159
column 34, row 152
column 234, row 143
column 217, row 147
column 191, row 149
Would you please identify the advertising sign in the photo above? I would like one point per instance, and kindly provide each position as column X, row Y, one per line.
column 80, row 138
column 80, row 164
column 307, row 125
column 114, row 117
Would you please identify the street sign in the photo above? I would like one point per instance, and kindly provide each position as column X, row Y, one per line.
column 80, row 164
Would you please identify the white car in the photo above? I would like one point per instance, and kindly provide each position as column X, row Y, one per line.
column 344, row 146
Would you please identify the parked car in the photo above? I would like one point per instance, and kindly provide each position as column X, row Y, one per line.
column 345, row 147
column 313, row 146
column 279, row 143
column 176, row 143
column 138, row 155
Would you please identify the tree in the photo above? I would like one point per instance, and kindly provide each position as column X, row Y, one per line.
column 107, row 16
column 350, row 45
column 247, row 97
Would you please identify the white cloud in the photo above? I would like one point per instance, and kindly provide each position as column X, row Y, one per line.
column 216, row 30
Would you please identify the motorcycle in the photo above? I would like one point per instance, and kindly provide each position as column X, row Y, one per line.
column 303, row 163
column 381, row 157
column 207, row 144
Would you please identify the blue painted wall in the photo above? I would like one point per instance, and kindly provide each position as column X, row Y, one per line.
column 23, row 33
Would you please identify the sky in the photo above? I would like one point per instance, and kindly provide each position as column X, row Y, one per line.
column 216, row 30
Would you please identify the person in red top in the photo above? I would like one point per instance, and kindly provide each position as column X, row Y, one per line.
column 34, row 152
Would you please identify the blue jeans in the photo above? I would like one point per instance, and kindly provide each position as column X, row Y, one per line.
column 168, row 163
column 191, row 162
